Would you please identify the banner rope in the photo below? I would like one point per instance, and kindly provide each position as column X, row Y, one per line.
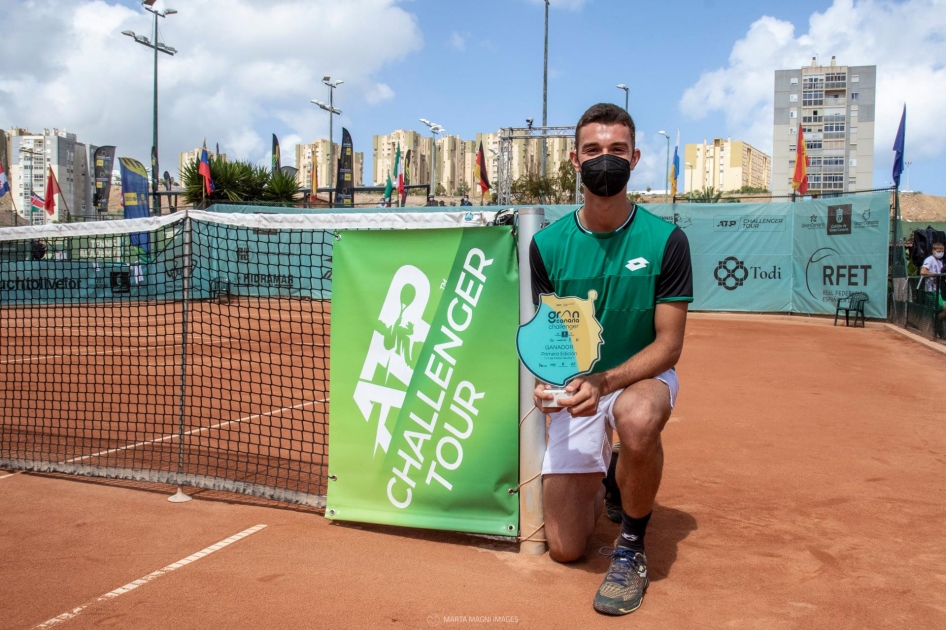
column 530, row 536
column 530, row 480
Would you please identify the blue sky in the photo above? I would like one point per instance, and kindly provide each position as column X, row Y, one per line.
column 247, row 68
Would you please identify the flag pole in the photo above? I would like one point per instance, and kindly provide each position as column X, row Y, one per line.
column 15, row 211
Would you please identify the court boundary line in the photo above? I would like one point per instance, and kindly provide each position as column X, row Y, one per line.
column 121, row 590
column 194, row 431
column 219, row 341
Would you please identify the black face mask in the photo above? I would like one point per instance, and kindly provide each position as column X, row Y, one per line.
column 606, row 175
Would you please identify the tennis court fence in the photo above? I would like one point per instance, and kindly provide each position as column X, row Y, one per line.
column 188, row 349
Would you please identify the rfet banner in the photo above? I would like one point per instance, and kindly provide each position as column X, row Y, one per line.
column 423, row 421
column 841, row 247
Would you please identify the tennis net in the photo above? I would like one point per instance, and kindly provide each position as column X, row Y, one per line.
column 189, row 349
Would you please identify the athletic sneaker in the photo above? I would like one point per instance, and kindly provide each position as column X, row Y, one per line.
column 622, row 590
column 612, row 494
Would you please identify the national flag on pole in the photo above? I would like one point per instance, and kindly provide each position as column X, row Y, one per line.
column 897, row 147
column 315, row 177
column 52, row 189
column 204, row 169
column 399, row 172
column 276, row 161
column 675, row 168
column 4, row 184
column 37, row 202
column 388, row 189
column 479, row 171
column 800, row 178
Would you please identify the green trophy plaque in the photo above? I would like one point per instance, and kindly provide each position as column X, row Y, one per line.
column 561, row 342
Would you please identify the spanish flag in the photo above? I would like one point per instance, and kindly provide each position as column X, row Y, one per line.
column 802, row 162
column 277, row 163
column 479, row 172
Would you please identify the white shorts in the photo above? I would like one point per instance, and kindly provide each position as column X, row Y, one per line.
column 583, row 445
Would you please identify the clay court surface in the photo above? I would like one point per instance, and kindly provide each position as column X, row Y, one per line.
column 805, row 487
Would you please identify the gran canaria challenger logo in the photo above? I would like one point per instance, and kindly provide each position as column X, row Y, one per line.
column 563, row 340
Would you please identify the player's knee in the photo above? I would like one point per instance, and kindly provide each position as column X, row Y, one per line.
column 638, row 425
column 565, row 550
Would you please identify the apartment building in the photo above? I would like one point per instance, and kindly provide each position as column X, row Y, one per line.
column 316, row 155
column 416, row 165
column 835, row 106
column 456, row 158
column 725, row 164
column 191, row 157
column 30, row 158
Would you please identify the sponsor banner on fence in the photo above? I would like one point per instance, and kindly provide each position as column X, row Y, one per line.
column 795, row 257
column 424, row 381
column 840, row 247
column 742, row 254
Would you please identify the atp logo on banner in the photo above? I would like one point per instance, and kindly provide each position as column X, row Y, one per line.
column 394, row 348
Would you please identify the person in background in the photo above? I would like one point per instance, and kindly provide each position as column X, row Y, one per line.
column 932, row 266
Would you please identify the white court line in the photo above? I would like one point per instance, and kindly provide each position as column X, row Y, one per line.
column 44, row 357
column 10, row 475
column 213, row 342
column 193, row 431
column 121, row 590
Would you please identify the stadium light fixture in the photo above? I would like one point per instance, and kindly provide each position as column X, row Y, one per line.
column 157, row 46
column 667, row 177
column 332, row 112
column 435, row 129
column 627, row 90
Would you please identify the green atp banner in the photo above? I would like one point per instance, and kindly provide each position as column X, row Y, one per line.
column 423, row 421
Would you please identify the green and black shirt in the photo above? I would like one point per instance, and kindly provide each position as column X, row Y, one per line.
column 644, row 262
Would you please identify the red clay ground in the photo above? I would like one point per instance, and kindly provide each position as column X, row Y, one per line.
column 804, row 488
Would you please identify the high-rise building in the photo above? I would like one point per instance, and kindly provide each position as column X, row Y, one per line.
column 417, row 164
column 456, row 158
column 835, row 107
column 191, row 157
column 32, row 155
column 317, row 154
column 725, row 165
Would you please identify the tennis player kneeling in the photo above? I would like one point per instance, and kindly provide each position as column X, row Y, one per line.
column 639, row 265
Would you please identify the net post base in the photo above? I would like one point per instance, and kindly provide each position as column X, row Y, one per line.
column 179, row 496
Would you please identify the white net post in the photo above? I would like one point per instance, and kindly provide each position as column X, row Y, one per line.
column 532, row 425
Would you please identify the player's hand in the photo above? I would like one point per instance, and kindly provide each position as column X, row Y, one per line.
column 586, row 392
column 540, row 396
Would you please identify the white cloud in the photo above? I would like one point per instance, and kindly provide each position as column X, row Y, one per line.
column 241, row 67
column 651, row 170
column 905, row 40
column 568, row 5
column 378, row 93
column 457, row 41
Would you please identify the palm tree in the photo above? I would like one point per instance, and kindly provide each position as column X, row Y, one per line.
column 711, row 195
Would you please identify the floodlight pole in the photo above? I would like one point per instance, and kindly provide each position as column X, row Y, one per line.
column 545, row 90
column 167, row 50
column 627, row 92
column 667, row 174
column 434, row 130
column 332, row 112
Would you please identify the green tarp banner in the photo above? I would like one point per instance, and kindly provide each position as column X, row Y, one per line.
column 791, row 257
column 424, row 381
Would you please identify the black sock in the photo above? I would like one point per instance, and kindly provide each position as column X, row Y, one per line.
column 632, row 532
column 612, row 492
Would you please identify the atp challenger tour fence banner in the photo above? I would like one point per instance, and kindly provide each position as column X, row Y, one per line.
column 797, row 257
column 424, row 381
